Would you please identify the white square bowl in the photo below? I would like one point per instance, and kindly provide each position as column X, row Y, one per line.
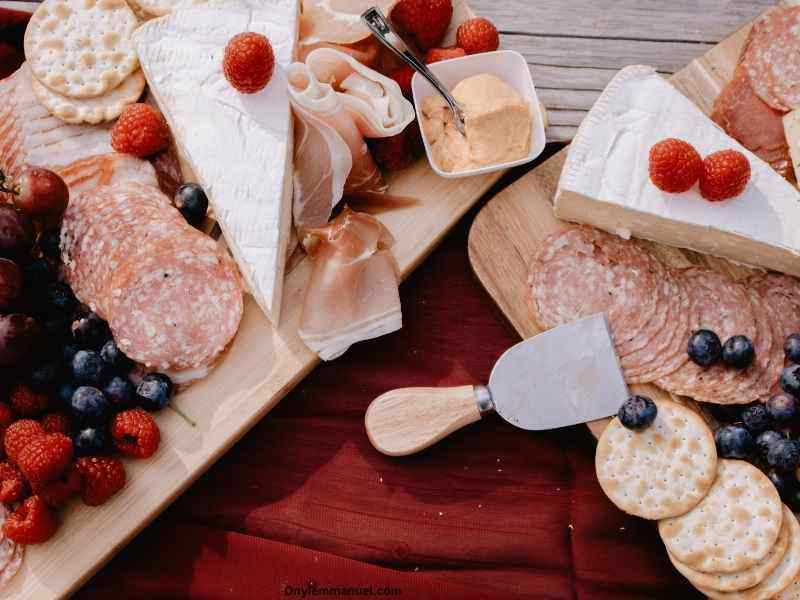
column 509, row 66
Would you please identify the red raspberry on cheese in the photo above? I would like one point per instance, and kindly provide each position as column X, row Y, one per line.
column 675, row 166
column 725, row 175
column 249, row 62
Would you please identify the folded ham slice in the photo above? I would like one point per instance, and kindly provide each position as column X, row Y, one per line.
column 352, row 293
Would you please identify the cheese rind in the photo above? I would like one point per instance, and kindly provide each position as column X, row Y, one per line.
column 238, row 145
column 606, row 183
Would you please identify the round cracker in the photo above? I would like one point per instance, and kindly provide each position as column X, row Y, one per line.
column 740, row 580
column 159, row 8
column 790, row 592
column 91, row 110
column 662, row 471
column 733, row 527
column 81, row 48
column 781, row 578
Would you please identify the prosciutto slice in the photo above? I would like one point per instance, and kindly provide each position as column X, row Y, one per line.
column 352, row 293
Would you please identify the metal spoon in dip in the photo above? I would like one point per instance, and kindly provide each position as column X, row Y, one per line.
column 381, row 29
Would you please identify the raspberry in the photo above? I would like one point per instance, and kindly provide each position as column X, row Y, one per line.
column 725, row 175
column 101, row 478
column 28, row 403
column 249, row 62
column 19, row 434
column 424, row 21
column 478, row 35
column 6, row 418
column 57, row 423
column 403, row 77
column 45, row 458
column 437, row 54
column 33, row 522
column 135, row 433
column 13, row 487
column 675, row 165
column 140, row 130
column 58, row 491
column 399, row 151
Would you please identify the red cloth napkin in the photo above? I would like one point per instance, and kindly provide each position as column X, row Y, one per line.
column 304, row 504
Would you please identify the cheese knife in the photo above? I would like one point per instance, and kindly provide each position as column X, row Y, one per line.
column 564, row 376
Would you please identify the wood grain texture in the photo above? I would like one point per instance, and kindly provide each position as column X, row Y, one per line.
column 573, row 48
column 407, row 420
column 508, row 230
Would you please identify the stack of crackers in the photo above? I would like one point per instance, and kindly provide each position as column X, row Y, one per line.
column 81, row 56
column 722, row 521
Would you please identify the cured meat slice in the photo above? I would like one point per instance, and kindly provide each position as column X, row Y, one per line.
column 660, row 358
column 720, row 304
column 770, row 58
column 106, row 169
column 583, row 271
column 177, row 306
column 747, row 118
column 783, row 293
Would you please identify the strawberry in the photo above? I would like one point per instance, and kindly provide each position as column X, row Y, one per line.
column 248, row 62
column 19, row 434
column 135, row 433
column 399, row 151
column 675, row 165
column 33, row 522
column 13, row 487
column 424, row 21
column 725, row 175
column 403, row 77
column 45, row 458
column 101, row 478
column 28, row 403
column 140, row 130
column 57, row 423
column 56, row 492
column 437, row 54
column 478, row 35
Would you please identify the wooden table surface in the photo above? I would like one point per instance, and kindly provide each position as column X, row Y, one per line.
column 574, row 47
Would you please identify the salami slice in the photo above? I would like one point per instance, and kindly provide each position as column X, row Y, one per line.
column 582, row 271
column 723, row 306
column 771, row 58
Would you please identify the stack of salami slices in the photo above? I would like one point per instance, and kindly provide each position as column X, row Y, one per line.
column 653, row 308
column 172, row 299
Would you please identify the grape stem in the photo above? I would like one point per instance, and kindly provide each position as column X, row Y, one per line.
column 182, row 414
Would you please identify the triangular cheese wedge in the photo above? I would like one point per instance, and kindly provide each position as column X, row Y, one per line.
column 606, row 183
column 238, row 145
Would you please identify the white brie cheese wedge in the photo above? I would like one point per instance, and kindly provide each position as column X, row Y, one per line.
column 605, row 181
column 238, row 145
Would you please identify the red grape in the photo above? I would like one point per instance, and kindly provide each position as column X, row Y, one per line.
column 10, row 283
column 19, row 336
column 42, row 193
column 16, row 232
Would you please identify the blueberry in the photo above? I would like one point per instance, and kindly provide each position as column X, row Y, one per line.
column 59, row 299
column 704, row 347
column 756, row 418
column 738, row 352
column 88, row 367
column 637, row 412
column 154, row 391
column 45, row 373
column 192, row 201
column 120, row 392
column 69, row 351
column 790, row 380
column 90, row 441
column 90, row 332
column 766, row 439
column 734, row 441
column 725, row 413
column 49, row 241
column 784, row 482
column 115, row 358
column 781, row 408
column 784, row 455
column 90, row 405
column 64, row 392
column 791, row 347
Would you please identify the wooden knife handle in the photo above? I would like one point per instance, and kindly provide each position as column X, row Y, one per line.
column 405, row 421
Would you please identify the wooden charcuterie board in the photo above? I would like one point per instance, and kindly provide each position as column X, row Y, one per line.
column 508, row 230
column 263, row 364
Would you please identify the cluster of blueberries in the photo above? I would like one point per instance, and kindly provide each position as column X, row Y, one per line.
column 706, row 349
column 761, row 433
